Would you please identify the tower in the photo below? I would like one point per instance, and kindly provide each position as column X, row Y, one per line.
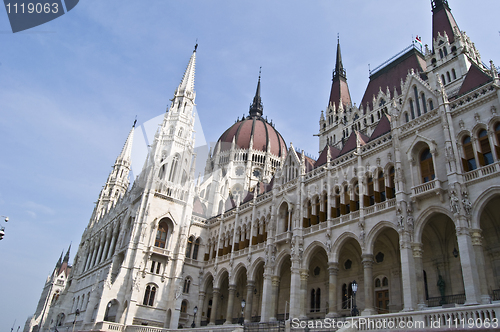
column 452, row 53
column 339, row 104
column 117, row 182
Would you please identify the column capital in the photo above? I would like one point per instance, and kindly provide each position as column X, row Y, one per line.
column 304, row 275
column 367, row 260
column 333, row 268
column 463, row 231
column 232, row 288
column 250, row 284
column 417, row 250
column 477, row 238
column 216, row 290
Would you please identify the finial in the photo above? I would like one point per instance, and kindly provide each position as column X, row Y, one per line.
column 338, row 38
column 260, row 70
column 196, row 45
column 135, row 121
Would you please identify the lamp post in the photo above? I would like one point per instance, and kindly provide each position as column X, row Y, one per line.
column 195, row 310
column 354, row 287
column 242, row 320
column 77, row 312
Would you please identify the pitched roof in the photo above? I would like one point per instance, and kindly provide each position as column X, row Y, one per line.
column 309, row 161
column 391, row 75
column 383, row 127
column 475, row 77
column 198, row 207
column 351, row 142
column 334, row 153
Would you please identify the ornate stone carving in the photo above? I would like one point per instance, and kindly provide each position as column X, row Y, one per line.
column 466, row 203
column 361, row 225
column 328, row 242
column 461, row 124
column 454, row 202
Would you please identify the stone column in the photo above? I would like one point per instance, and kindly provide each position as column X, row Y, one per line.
column 99, row 253
column 408, row 274
column 477, row 243
column 333, row 269
column 419, row 274
column 201, row 302
column 469, row 267
column 368, row 276
column 215, row 304
column 304, row 275
column 268, row 307
column 295, row 289
column 87, row 261
column 113, row 245
column 106, row 248
column 275, row 286
column 248, row 301
column 230, row 305
column 94, row 254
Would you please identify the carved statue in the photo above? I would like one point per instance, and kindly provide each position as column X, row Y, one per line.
column 466, row 203
column 454, row 202
column 328, row 242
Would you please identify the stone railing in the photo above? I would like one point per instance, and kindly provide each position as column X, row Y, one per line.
column 482, row 173
column 215, row 328
column 109, row 326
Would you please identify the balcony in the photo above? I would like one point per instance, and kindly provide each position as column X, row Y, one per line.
column 160, row 251
column 482, row 173
column 431, row 188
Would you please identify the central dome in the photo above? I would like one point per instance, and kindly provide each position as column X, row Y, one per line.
column 254, row 129
column 265, row 137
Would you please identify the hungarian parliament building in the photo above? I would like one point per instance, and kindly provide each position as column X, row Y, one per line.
column 398, row 218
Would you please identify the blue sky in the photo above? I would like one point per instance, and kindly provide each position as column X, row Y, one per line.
column 70, row 90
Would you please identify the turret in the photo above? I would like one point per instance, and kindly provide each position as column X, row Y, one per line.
column 117, row 182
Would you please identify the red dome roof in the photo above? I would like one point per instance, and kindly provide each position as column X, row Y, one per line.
column 261, row 131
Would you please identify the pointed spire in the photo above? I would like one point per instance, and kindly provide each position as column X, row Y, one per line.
column 340, row 96
column 256, row 108
column 66, row 257
column 187, row 83
column 126, row 152
column 59, row 262
column 339, row 67
column 442, row 20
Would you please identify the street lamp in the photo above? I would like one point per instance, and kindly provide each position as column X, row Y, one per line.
column 242, row 320
column 354, row 287
column 195, row 310
column 77, row 312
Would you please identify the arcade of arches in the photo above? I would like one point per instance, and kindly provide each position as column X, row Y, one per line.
column 320, row 284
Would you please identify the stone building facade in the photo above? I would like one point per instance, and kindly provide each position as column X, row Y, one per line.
column 403, row 199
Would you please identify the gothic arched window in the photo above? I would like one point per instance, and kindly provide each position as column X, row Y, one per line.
column 196, row 248
column 187, row 284
column 426, row 166
column 469, row 162
column 189, row 246
column 149, row 295
column 485, row 156
column 161, row 235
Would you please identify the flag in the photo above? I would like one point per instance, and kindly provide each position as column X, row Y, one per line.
column 418, row 40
